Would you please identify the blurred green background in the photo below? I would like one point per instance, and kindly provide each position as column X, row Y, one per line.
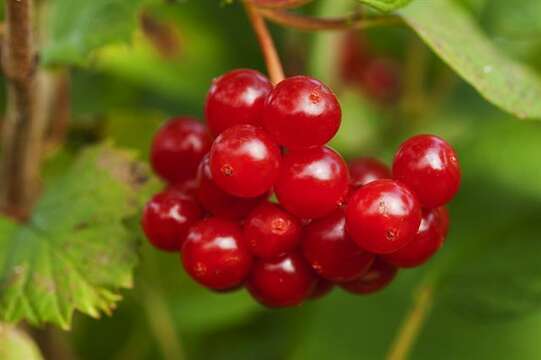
column 486, row 282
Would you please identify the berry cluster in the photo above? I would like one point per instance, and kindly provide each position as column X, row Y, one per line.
column 333, row 223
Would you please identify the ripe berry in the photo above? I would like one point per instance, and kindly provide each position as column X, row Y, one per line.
column 383, row 216
column 429, row 239
column 244, row 161
column 236, row 97
column 301, row 112
column 429, row 167
column 282, row 281
column 321, row 289
column 365, row 170
column 216, row 255
column 271, row 231
column 312, row 183
column 177, row 149
column 331, row 252
column 188, row 187
column 378, row 277
column 167, row 218
column 217, row 201
column 381, row 80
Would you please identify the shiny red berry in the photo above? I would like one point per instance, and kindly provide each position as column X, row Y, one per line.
column 365, row 170
column 429, row 239
column 217, row 201
column 429, row 167
column 322, row 288
column 271, row 231
column 167, row 218
column 301, row 112
column 331, row 252
column 280, row 282
column 236, row 97
column 383, row 216
column 215, row 254
column 244, row 161
column 378, row 277
column 312, row 183
column 178, row 147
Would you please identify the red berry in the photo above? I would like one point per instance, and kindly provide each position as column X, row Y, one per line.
column 217, row 201
column 429, row 167
column 244, row 161
column 378, row 277
column 283, row 281
column 331, row 252
column 381, row 80
column 188, row 187
column 271, row 231
column 444, row 220
column 322, row 288
column 383, row 216
column 216, row 255
column 312, row 183
column 301, row 112
column 236, row 97
column 365, row 170
column 167, row 218
column 178, row 147
column 429, row 239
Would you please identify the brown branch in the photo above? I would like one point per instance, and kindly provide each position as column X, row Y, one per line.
column 24, row 125
column 281, row 4
column 412, row 324
column 274, row 65
column 59, row 109
column 309, row 23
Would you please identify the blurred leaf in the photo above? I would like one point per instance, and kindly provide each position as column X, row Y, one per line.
column 16, row 345
column 76, row 28
column 75, row 252
column 386, row 5
column 519, row 20
column 454, row 36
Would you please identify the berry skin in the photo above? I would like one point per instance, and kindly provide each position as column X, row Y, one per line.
column 323, row 287
column 429, row 167
column 271, row 231
column 383, row 216
column 365, row 170
column 331, row 252
column 244, row 161
column 429, row 239
column 177, row 149
column 236, row 97
column 280, row 282
column 301, row 112
column 312, row 183
column 217, row 201
column 167, row 218
column 378, row 277
column 216, row 255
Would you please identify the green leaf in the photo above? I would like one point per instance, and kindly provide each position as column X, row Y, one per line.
column 76, row 28
column 455, row 37
column 386, row 5
column 77, row 250
column 16, row 345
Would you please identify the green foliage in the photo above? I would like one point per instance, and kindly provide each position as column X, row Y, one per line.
column 76, row 28
column 386, row 5
column 16, row 345
column 75, row 252
column 455, row 37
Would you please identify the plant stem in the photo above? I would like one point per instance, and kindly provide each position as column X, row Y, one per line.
column 24, row 123
column 274, row 65
column 309, row 23
column 411, row 327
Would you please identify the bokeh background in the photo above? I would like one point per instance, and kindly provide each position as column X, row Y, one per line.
column 485, row 283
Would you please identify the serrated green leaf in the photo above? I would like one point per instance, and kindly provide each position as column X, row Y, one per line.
column 386, row 5
column 75, row 252
column 16, row 345
column 455, row 37
column 76, row 28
